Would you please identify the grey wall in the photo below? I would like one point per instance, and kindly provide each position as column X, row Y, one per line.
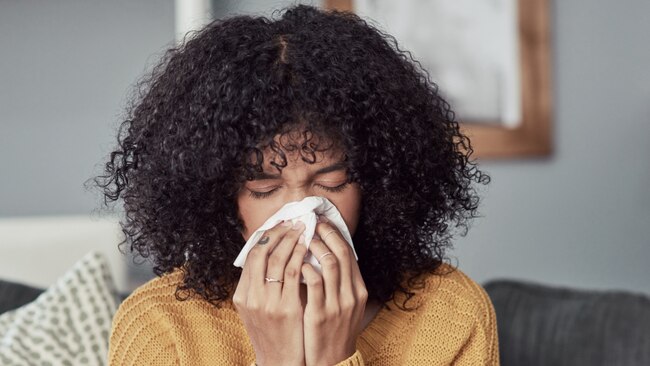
column 65, row 69
column 580, row 218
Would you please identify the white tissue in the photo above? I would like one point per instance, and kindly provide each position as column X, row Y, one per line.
column 305, row 211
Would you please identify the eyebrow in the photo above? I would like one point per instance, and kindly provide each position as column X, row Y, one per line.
column 338, row 166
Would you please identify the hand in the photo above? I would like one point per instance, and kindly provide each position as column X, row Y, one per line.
column 336, row 300
column 271, row 311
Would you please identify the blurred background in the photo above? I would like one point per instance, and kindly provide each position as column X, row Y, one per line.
column 579, row 217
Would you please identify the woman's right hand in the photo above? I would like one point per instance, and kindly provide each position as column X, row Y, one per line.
column 271, row 311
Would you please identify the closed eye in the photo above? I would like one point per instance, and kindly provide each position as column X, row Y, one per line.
column 261, row 195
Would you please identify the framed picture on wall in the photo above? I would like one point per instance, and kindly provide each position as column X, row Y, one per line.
column 489, row 58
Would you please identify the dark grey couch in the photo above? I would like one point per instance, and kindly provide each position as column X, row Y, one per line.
column 544, row 325
column 14, row 295
column 537, row 324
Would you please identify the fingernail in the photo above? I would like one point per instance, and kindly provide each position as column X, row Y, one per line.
column 286, row 223
column 324, row 219
column 301, row 240
column 298, row 225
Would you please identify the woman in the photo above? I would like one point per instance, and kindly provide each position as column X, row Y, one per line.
column 253, row 113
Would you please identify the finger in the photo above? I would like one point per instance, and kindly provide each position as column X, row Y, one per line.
column 334, row 240
column 291, row 288
column 330, row 266
column 241, row 292
column 282, row 252
column 314, row 281
column 357, row 280
column 258, row 256
column 244, row 278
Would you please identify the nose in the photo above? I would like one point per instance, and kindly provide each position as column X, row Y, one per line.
column 298, row 194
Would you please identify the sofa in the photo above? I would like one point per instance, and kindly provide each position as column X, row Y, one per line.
column 550, row 325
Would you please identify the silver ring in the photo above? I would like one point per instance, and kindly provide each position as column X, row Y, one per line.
column 325, row 236
column 267, row 279
column 324, row 255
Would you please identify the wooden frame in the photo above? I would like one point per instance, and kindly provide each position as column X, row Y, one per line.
column 533, row 136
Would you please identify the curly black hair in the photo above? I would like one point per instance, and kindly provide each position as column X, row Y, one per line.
column 185, row 143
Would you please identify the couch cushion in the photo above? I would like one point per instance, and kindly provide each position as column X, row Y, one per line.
column 68, row 324
column 543, row 325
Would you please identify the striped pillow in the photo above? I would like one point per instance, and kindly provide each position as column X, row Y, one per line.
column 68, row 324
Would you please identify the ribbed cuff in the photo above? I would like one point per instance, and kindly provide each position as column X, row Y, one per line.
column 354, row 360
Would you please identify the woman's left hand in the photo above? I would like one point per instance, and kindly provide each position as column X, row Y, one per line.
column 336, row 300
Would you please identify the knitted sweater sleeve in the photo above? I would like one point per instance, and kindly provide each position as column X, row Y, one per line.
column 141, row 336
column 455, row 324
column 482, row 346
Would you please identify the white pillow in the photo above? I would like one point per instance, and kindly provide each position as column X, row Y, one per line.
column 68, row 324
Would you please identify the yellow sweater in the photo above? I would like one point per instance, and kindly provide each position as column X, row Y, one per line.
column 454, row 324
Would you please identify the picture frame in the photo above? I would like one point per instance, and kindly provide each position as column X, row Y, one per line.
column 532, row 135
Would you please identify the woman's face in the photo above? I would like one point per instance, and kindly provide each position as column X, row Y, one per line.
column 260, row 198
